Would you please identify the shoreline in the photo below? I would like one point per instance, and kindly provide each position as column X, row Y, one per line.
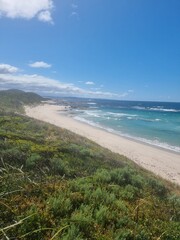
column 134, row 139
column 162, row 162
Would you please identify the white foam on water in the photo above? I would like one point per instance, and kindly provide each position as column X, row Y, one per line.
column 87, row 121
column 91, row 103
column 93, row 113
column 144, row 119
column 163, row 109
column 158, row 108
column 154, row 142
column 121, row 114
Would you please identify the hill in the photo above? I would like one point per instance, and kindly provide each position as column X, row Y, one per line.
column 13, row 100
column 58, row 185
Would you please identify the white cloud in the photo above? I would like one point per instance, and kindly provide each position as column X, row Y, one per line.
column 45, row 16
column 40, row 64
column 89, row 83
column 27, row 9
column 10, row 78
column 48, row 86
column 35, row 82
column 6, row 68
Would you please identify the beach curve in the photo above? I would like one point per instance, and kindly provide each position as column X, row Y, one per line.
column 163, row 163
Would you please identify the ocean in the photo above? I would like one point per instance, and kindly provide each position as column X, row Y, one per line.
column 155, row 123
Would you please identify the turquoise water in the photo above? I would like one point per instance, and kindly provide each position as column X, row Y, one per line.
column 151, row 122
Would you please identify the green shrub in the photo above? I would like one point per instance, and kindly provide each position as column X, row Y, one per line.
column 122, row 176
column 76, row 199
column 124, row 234
column 31, row 224
column 129, row 192
column 82, row 218
column 123, row 221
column 73, row 233
column 98, row 195
column 102, row 215
column 143, row 234
column 33, row 160
column 174, row 208
column 59, row 166
column 82, row 185
column 121, row 207
column 102, row 176
column 158, row 188
column 59, row 205
column 137, row 181
column 13, row 154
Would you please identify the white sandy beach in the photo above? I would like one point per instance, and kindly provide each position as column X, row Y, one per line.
column 164, row 163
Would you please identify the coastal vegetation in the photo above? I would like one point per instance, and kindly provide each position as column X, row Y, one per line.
column 58, row 185
column 13, row 100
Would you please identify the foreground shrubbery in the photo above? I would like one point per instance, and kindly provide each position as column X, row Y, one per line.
column 57, row 185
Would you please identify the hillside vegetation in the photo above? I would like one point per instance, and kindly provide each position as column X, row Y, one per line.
column 13, row 100
column 58, row 185
column 55, row 184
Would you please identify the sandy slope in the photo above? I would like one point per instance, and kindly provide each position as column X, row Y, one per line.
column 163, row 163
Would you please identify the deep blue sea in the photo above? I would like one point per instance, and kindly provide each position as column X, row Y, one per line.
column 155, row 123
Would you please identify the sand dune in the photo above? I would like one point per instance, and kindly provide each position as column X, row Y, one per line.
column 161, row 162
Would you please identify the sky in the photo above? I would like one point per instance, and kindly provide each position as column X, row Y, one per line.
column 117, row 49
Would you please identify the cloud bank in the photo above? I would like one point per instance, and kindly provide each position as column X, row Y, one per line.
column 11, row 78
column 27, row 9
column 6, row 68
column 48, row 86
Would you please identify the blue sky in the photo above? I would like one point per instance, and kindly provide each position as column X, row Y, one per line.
column 120, row 49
